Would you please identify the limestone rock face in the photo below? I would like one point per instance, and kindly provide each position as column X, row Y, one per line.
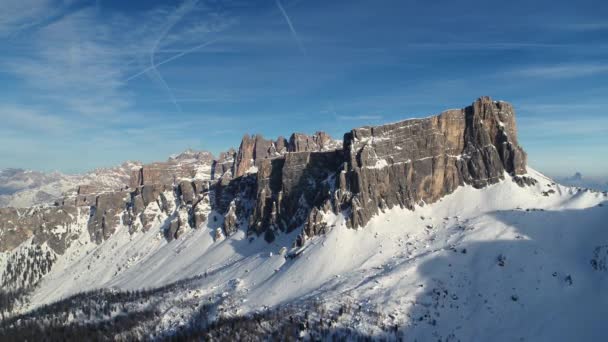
column 158, row 173
column 282, row 185
column 288, row 188
column 320, row 141
column 106, row 214
column 404, row 164
column 419, row 161
column 52, row 225
column 186, row 191
column 255, row 149
column 224, row 165
column 12, row 231
column 252, row 150
column 187, row 165
column 87, row 189
column 230, row 221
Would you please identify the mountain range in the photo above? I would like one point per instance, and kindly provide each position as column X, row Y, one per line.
column 578, row 180
column 424, row 229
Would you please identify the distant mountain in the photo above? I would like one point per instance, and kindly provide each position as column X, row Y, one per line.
column 424, row 229
column 578, row 180
column 25, row 188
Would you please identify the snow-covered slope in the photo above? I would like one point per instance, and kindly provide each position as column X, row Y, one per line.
column 501, row 263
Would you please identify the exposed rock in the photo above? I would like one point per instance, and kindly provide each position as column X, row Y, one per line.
column 419, row 161
column 87, row 189
column 224, row 165
column 199, row 212
column 85, row 200
column 51, row 225
column 106, row 215
column 252, row 150
column 255, row 149
column 401, row 164
column 314, row 224
column 289, row 187
column 219, row 234
column 599, row 262
column 159, row 173
column 185, row 166
column 187, row 192
column 320, row 141
column 12, row 231
column 279, row 186
column 526, row 181
column 230, row 221
column 173, row 231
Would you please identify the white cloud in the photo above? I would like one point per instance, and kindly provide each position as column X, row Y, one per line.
column 18, row 15
column 15, row 117
column 80, row 61
column 560, row 71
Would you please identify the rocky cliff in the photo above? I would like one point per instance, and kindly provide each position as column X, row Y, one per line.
column 272, row 186
column 419, row 161
column 403, row 164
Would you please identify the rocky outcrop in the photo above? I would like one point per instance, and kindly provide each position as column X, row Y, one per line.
column 320, row 141
column 159, row 173
column 187, row 165
column 107, row 214
column 419, row 161
column 223, row 167
column 253, row 150
column 51, row 225
column 281, row 185
column 404, row 164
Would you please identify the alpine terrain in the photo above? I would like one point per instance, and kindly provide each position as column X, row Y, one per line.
column 431, row 229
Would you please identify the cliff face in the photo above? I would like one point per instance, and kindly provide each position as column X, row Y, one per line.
column 400, row 164
column 419, row 161
column 253, row 150
column 274, row 186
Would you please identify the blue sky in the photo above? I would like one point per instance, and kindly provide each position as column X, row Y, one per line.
column 86, row 84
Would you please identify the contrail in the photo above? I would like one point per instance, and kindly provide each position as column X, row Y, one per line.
column 293, row 30
column 172, row 58
column 174, row 19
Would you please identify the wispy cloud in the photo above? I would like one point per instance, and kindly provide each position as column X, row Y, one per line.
column 18, row 15
column 83, row 62
column 560, row 71
column 179, row 54
column 31, row 120
column 173, row 19
column 77, row 62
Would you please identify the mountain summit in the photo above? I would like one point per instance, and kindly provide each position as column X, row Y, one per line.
column 410, row 229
